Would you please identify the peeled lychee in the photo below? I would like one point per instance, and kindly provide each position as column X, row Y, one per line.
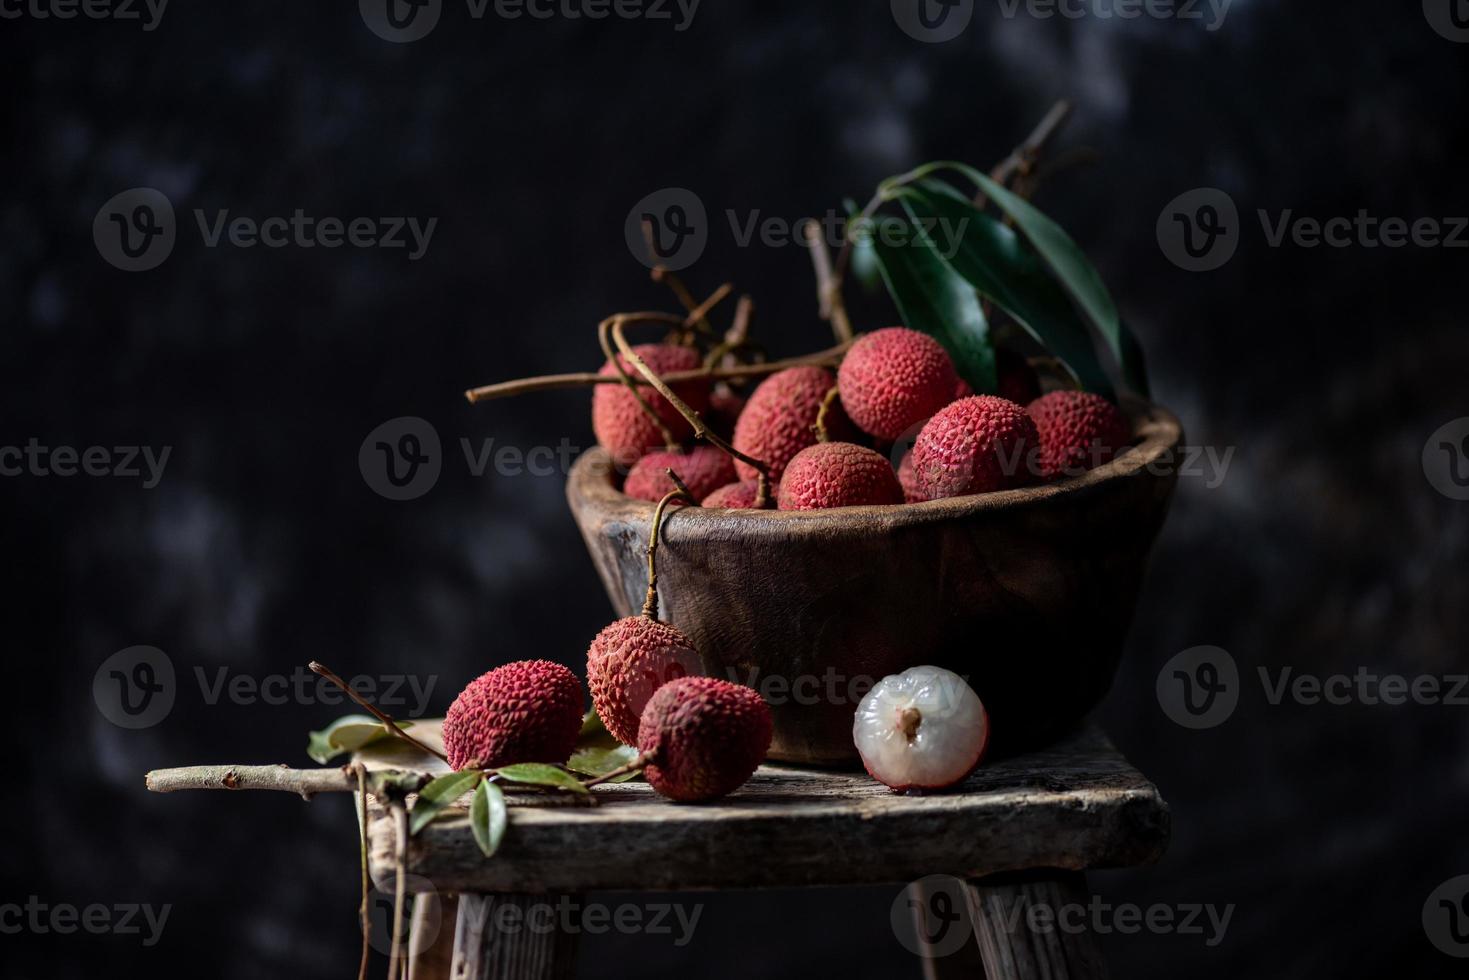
column 1078, row 430
column 1017, row 379
column 734, row 496
column 622, row 427
column 703, row 738
column 703, row 470
column 922, row 729
column 627, row 662
column 975, row 445
column 838, row 474
column 529, row 711
column 779, row 419
column 892, row 379
column 912, row 493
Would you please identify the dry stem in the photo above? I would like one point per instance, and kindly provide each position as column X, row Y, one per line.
column 640, row 762
column 381, row 716
column 362, row 912
column 828, row 286
column 304, row 782
column 669, row 442
column 650, row 604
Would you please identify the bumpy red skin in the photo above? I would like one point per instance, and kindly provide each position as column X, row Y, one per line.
column 838, row 474
column 529, row 711
column 1017, row 379
column 627, row 662
column 734, row 496
column 921, row 788
column 622, row 428
column 703, row 470
column 976, row 445
column 706, row 737
column 912, row 493
column 778, row 419
column 1078, row 430
column 893, row 379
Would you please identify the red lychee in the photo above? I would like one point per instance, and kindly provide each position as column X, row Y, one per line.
column 529, row 711
column 1078, row 430
column 734, row 496
column 1017, row 379
column 912, row 493
column 893, row 379
column 703, row 470
column 627, row 662
column 778, row 419
column 838, row 474
column 623, row 428
column 703, row 737
column 975, row 445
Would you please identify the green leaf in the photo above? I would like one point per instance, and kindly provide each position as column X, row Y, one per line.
column 996, row 261
column 346, row 735
column 439, row 794
column 540, row 774
column 488, row 817
column 864, row 259
column 1073, row 269
column 597, row 761
column 932, row 298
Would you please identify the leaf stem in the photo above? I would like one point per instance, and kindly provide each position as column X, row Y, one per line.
column 641, row 762
column 362, row 913
column 382, row 716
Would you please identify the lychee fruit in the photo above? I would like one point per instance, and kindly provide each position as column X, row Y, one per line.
column 838, row 474
column 621, row 425
column 912, row 493
column 894, row 378
column 529, row 711
column 779, row 419
column 703, row 737
column 627, row 662
column 734, row 496
column 976, row 445
column 1017, row 379
column 1078, row 430
column 704, row 469
column 923, row 729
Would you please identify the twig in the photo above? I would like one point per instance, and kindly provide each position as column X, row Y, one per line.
column 669, row 442
column 304, row 782
column 1022, row 159
column 639, row 763
column 828, row 285
column 661, row 273
column 650, row 603
column 385, row 718
column 582, row 379
column 700, row 313
column 400, row 887
column 362, row 912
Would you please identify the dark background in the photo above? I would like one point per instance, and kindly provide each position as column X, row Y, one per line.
column 1327, row 369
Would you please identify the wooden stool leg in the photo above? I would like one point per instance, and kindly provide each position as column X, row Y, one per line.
column 514, row 937
column 941, row 925
column 1035, row 927
column 431, row 942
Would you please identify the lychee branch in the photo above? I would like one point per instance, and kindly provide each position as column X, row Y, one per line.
column 650, row 603
column 614, row 326
column 828, row 286
column 306, row 783
column 323, row 671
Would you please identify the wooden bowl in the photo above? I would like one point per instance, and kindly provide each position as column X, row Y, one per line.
column 1027, row 593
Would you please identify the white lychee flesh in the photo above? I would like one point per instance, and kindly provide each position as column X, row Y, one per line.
column 922, row 729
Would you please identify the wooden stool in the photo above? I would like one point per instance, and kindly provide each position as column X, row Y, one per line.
column 1017, row 839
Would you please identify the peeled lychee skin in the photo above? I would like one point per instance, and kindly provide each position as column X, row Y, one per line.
column 838, row 474
column 893, row 379
column 734, row 496
column 706, row 737
column 703, row 470
column 947, row 743
column 976, row 445
column 627, row 662
column 1078, row 430
column 529, row 711
column 778, row 420
column 623, row 428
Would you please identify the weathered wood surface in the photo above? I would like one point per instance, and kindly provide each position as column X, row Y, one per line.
column 530, row 947
column 1075, row 805
column 1027, row 593
column 1063, row 948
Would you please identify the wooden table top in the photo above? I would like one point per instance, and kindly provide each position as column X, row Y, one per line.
column 1075, row 805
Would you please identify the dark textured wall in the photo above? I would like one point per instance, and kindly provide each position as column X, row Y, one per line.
column 1326, row 369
